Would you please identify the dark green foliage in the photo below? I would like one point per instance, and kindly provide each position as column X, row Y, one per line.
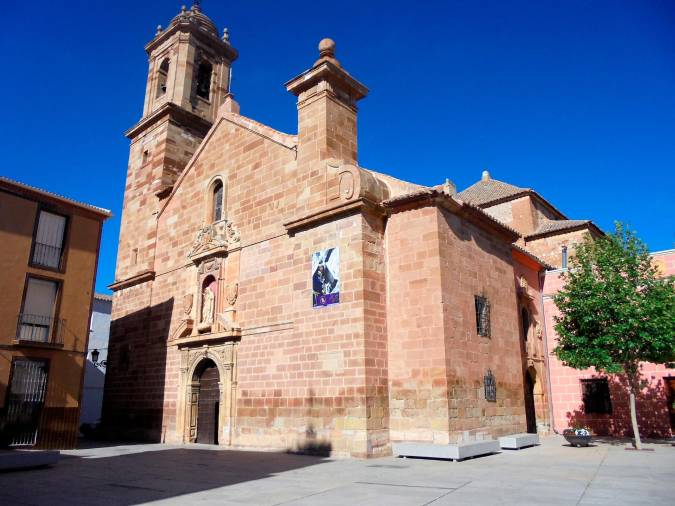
column 615, row 310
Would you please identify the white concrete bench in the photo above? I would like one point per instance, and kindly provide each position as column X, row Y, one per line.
column 26, row 459
column 518, row 441
column 459, row 451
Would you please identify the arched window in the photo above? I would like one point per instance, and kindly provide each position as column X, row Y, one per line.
column 525, row 319
column 564, row 257
column 203, row 88
column 162, row 77
column 217, row 202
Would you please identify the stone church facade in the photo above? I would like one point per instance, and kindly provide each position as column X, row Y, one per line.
column 271, row 293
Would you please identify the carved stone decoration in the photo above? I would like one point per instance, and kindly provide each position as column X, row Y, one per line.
column 216, row 236
column 187, row 304
column 232, row 233
column 226, row 320
column 522, row 282
column 538, row 330
column 346, row 185
column 209, row 266
column 231, row 293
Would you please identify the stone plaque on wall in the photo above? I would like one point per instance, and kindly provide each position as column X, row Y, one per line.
column 326, row 277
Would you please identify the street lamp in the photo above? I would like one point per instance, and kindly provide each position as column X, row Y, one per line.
column 95, row 354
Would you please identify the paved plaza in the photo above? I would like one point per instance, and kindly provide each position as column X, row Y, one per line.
column 197, row 474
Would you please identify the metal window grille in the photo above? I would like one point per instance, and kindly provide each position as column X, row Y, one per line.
column 24, row 401
column 490, row 385
column 596, row 396
column 39, row 328
column 482, row 316
column 46, row 255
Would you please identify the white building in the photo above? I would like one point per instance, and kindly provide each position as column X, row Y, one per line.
column 94, row 373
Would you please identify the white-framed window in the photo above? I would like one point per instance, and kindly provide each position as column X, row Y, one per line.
column 36, row 320
column 48, row 244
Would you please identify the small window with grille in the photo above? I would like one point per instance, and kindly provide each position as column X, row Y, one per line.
column 482, row 316
column 596, row 396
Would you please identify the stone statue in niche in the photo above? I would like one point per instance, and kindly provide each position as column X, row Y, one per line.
column 208, row 307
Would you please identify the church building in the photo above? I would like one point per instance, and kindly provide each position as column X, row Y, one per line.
column 272, row 293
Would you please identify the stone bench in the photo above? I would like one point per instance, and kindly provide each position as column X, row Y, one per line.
column 518, row 441
column 459, row 451
column 11, row 460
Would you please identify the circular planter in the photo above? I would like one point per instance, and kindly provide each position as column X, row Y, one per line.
column 575, row 440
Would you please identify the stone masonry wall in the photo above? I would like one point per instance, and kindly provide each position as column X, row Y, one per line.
column 474, row 262
column 418, row 396
column 303, row 374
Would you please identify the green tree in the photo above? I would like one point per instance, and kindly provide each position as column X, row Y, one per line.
column 615, row 311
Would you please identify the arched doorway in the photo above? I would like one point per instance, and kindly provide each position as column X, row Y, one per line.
column 530, row 412
column 207, row 379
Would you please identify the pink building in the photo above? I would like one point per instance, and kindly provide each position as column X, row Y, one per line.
column 599, row 401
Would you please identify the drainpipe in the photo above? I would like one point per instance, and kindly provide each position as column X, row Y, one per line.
column 542, row 277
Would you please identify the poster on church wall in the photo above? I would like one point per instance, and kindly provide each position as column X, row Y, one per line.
column 326, row 277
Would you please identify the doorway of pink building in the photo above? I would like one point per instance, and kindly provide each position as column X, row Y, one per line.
column 530, row 412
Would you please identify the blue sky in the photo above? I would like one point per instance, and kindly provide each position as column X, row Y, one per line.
column 575, row 99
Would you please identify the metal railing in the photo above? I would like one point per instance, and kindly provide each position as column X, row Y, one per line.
column 46, row 255
column 39, row 329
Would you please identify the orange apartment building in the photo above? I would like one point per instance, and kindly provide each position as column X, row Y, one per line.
column 48, row 261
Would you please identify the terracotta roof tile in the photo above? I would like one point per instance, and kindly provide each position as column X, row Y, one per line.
column 557, row 225
column 486, row 191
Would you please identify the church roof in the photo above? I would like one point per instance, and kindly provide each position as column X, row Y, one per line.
column 550, row 226
column 489, row 190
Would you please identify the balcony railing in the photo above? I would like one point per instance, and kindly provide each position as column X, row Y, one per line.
column 39, row 329
column 46, row 255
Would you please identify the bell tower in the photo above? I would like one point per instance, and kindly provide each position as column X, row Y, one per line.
column 188, row 80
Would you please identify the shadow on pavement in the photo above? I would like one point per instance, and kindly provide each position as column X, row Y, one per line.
column 139, row 476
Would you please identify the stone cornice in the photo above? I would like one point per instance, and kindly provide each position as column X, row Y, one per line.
column 219, row 46
column 174, row 113
column 202, row 339
column 590, row 226
column 136, row 279
column 335, row 80
column 330, row 213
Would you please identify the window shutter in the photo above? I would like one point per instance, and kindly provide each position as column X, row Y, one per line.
column 40, row 297
column 38, row 308
column 49, row 239
column 51, row 229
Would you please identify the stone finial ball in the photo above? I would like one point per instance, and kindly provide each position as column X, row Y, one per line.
column 327, row 46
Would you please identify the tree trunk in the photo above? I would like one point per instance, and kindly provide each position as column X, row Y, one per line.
column 634, row 386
